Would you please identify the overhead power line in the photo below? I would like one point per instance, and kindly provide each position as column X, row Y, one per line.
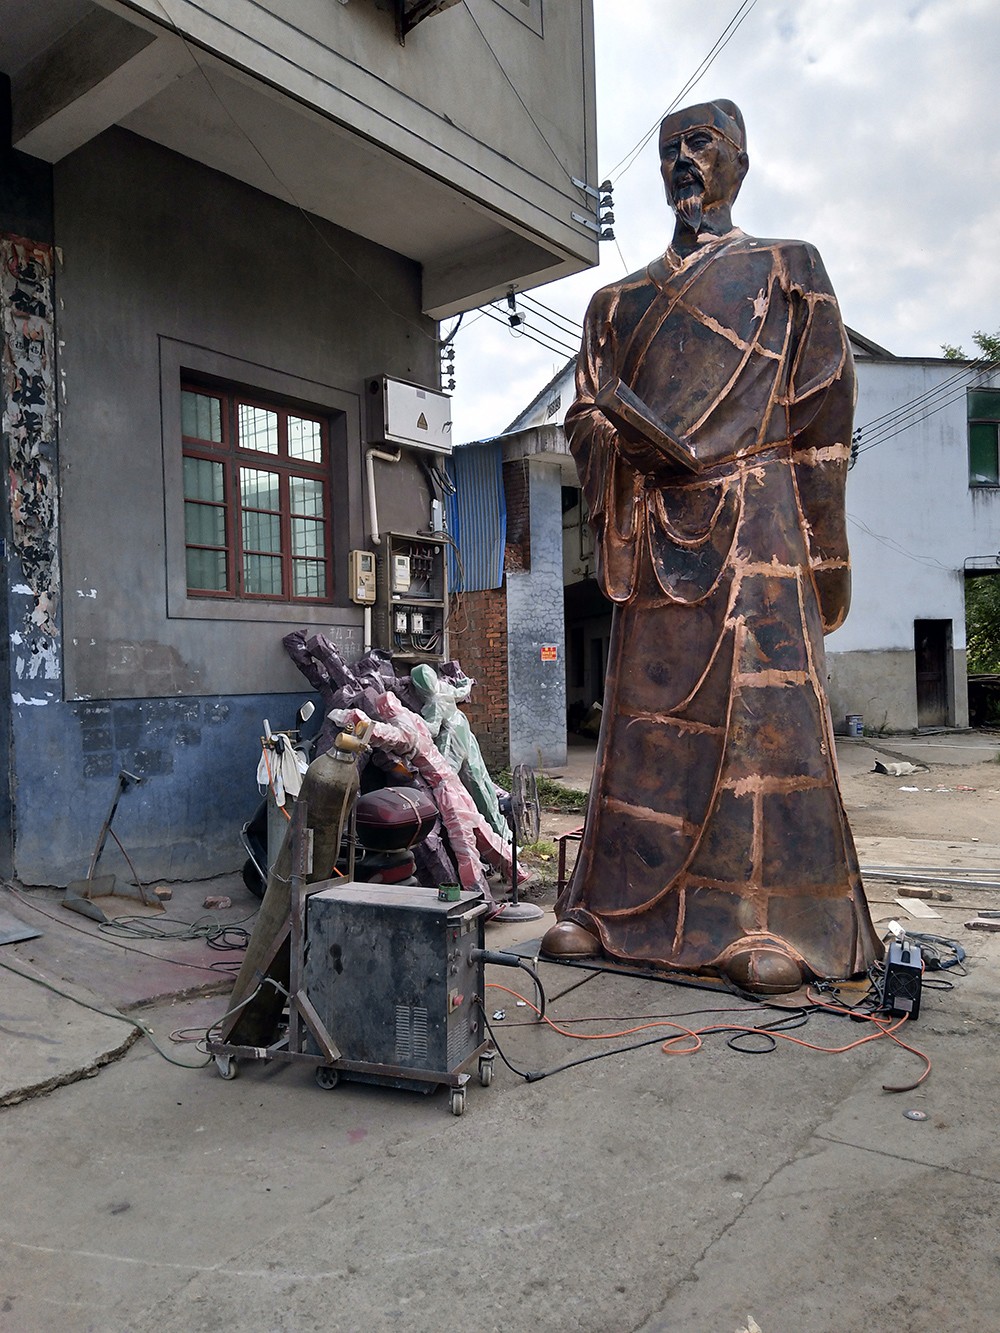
column 901, row 408
column 725, row 37
column 570, row 326
column 560, row 349
column 909, row 415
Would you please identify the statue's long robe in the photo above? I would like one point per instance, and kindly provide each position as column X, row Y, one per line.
column 715, row 817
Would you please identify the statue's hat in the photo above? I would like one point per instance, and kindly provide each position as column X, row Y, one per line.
column 721, row 117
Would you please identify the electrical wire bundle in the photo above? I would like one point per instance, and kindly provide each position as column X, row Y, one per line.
column 745, row 1038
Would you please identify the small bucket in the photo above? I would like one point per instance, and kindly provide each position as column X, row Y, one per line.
column 855, row 725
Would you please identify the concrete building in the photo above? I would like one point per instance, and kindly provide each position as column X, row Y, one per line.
column 923, row 502
column 217, row 223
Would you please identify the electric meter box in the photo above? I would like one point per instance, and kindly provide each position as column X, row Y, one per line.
column 407, row 414
column 410, row 616
column 363, row 577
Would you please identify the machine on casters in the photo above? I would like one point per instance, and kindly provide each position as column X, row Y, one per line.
column 394, row 972
column 385, row 984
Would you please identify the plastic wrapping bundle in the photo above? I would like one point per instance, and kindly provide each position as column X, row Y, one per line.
column 403, row 732
column 453, row 736
column 343, row 685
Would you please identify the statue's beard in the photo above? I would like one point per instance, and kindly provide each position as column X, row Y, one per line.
column 689, row 209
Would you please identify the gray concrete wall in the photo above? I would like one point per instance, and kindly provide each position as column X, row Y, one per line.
column 537, row 683
column 881, row 685
column 164, row 264
column 168, row 266
column 451, row 101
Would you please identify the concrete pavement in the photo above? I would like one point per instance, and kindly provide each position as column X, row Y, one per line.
column 640, row 1191
column 46, row 1040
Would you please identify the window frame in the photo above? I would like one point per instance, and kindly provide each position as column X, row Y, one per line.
column 190, row 364
column 234, row 457
column 980, row 420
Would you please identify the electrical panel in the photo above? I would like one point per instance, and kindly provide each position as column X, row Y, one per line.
column 408, row 414
column 410, row 618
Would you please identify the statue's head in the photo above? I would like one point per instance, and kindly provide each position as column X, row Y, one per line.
column 703, row 158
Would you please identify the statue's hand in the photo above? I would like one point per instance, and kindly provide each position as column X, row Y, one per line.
column 647, row 459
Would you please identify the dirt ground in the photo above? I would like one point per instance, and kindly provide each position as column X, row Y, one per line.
column 951, row 819
column 953, row 803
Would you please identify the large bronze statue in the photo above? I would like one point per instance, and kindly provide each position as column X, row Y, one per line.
column 711, row 430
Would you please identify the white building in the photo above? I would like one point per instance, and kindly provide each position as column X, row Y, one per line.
column 923, row 503
column 923, row 508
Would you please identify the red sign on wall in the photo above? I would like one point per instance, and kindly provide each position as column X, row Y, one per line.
column 550, row 652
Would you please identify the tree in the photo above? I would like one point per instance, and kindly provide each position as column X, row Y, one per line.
column 982, row 623
column 987, row 344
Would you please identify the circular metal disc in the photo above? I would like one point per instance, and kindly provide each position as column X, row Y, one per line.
column 915, row 1115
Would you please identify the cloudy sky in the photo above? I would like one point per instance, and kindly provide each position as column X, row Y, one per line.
column 872, row 130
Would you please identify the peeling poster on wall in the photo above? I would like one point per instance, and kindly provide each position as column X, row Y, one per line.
column 27, row 374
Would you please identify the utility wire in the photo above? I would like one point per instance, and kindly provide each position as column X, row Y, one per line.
column 527, row 112
column 533, row 336
column 926, row 395
column 891, row 544
column 893, row 415
column 136, row 1023
column 543, row 325
column 725, row 37
column 907, row 421
column 572, row 326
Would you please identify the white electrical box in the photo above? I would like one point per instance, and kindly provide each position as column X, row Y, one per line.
column 400, row 573
column 363, row 577
column 408, row 414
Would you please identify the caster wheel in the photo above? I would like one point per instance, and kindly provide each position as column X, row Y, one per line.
column 457, row 1105
column 227, row 1067
column 326, row 1077
column 486, row 1072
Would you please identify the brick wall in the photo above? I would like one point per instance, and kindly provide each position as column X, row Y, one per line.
column 478, row 639
column 517, row 553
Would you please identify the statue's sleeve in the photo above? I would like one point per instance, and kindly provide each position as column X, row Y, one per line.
column 612, row 487
column 821, row 417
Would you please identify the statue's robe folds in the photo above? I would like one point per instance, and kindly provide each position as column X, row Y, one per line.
column 715, row 818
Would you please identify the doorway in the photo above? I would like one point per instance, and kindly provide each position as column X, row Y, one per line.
column 932, row 658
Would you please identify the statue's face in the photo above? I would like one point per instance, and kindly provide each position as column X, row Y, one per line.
column 700, row 164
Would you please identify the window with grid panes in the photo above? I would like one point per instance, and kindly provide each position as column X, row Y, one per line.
column 256, row 498
column 984, row 437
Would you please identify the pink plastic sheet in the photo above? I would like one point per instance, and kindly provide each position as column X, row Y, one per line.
column 404, row 733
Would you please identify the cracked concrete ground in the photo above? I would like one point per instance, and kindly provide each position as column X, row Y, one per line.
column 642, row 1191
column 714, row 1191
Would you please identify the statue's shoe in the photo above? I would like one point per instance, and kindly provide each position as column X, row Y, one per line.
column 568, row 940
column 762, row 967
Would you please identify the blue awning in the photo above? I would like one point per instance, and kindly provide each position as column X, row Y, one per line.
column 477, row 517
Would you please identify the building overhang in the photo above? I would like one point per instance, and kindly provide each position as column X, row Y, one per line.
column 305, row 124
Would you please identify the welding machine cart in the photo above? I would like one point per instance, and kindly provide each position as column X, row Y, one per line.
column 391, row 972
column 385, row 985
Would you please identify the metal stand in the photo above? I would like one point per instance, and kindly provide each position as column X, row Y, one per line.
column 513, row 909
column 300, row 1009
